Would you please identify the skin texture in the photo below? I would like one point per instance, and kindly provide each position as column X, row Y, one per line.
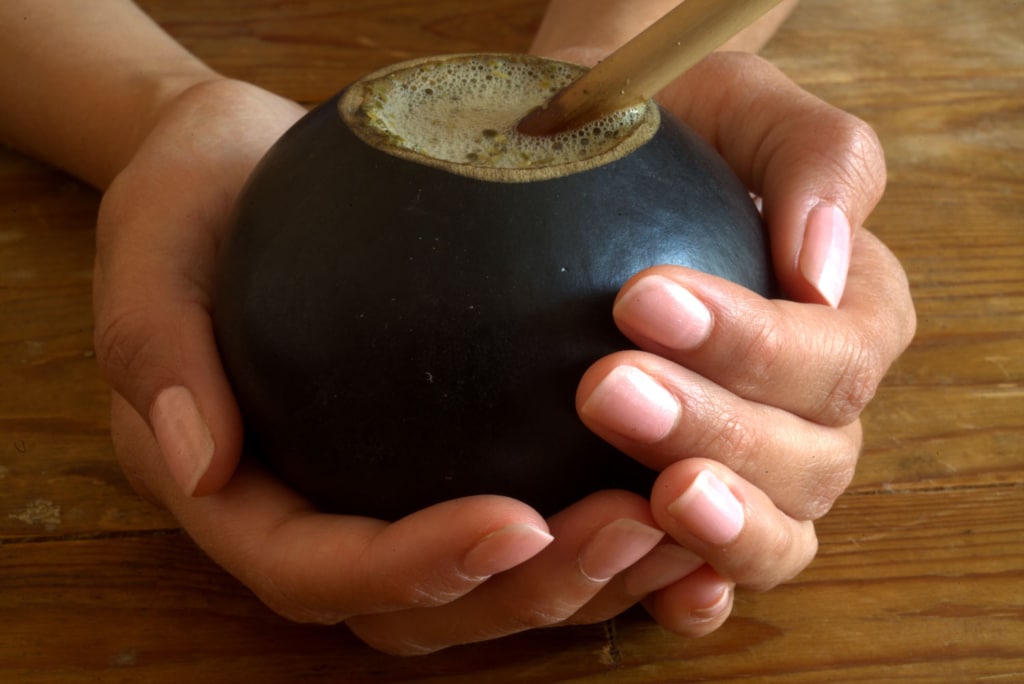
column 717, row 371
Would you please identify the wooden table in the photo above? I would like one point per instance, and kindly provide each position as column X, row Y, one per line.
column 920, row 576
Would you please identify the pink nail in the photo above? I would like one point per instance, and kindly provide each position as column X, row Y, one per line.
column 717, row 600
column 633, row 404
column 665, row 312
column 183, row 437
column 709, row 510
column 504, row 549
column 825, row 255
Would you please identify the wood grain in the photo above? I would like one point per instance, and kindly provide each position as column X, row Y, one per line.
column 920, row 574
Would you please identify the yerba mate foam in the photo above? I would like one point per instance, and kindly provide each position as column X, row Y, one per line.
column 461, row 114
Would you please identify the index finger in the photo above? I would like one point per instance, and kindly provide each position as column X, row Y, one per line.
column 821, row 364
column 820, row 171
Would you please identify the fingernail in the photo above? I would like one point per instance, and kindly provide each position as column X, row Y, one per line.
column 825, row 255
column 504, row 549
column 615, row 547
column 633, row 404
column 709, row 510
column 665, row 565
column 715, row 601
column 183, row 437
column 665, row 312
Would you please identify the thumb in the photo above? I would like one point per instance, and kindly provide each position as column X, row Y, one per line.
column 819, row 171
column 159, row 231
column 154, row 335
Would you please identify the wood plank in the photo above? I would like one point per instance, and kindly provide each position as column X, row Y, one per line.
column 920, row 574
column 57, row 469
column 901, row 579
column 310, row 50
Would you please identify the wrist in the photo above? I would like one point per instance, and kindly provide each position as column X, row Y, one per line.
column 139, row 101
column 82, row 82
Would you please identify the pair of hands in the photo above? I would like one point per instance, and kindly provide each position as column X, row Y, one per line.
column 747, row 407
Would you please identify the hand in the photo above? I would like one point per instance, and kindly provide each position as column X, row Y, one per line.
column 750, row 408
column 419, row 584
column 177, row 431
column 160, row 226
column 484, row 566
column 752, row 423
column 754, row 431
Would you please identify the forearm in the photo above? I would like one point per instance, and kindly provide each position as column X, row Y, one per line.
column 607, row 24
column 82, row 81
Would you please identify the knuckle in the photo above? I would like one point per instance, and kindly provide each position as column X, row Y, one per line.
column 802, row 553
column 854, row 384
column 733, row 442
column 774, row 571
column 761, row 353
column 722, row 431
column 861, row 161
column 831, row 475
column 835, row 482
column 116, row 343
column 782, row 556
column 827, row 491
